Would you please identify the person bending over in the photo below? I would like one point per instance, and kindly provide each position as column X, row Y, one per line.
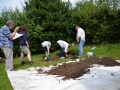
column 46, row 45
column 63, row 46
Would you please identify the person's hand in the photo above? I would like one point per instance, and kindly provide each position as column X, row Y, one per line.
column 77, row 42
column 17, row 28
column 66, row 55
column 48, row 57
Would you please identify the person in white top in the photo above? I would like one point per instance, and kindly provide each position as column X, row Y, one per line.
column 80, row 37
column 46, row 45
column 63, row 46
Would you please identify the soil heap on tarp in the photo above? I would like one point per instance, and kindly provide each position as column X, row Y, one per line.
column 76, row 69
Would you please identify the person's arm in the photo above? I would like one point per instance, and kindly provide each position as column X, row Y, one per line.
column 48, row 47
column 78, row 37
column 66, row 48
column 65, row 54
column 13, row 34
column 48, row 50
column 27, row 44
column 25, row 39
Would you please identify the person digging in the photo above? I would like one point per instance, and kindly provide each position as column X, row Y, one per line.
column 46, row 45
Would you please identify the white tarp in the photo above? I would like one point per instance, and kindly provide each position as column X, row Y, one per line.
column 100, row 78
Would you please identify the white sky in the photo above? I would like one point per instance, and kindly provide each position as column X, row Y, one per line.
column 18, row 3
column 11, row 4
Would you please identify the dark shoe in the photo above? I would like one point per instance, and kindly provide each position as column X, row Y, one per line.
column 11, row 70
column 31, row 62
column 23, row 62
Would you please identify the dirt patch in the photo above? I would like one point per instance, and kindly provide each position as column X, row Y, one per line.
column 51, row 59
column 76, row 69
column 70, row 55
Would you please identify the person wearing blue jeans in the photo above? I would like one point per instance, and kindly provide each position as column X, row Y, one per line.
column 61, row 50
column 63, row 46
column 46, row 45
column 80, row 37
column 80, row 46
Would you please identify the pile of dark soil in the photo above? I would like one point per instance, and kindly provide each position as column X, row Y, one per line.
column 76, row 69
column 107, row 61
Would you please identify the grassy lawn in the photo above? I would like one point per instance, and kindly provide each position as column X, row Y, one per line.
column 100, row 51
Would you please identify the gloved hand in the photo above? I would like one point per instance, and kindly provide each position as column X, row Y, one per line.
column 48, row 57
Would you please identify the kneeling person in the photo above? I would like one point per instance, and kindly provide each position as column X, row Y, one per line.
column 63, row 46
column 46, row 45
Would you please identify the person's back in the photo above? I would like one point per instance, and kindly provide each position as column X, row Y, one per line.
column 46, row 43
column 23, row 39
column 81, row 33
column 62, row 43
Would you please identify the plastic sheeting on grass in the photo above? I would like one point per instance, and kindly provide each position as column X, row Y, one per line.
column 99, row 78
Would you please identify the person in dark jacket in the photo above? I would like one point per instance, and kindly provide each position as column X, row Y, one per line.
column 24, row 45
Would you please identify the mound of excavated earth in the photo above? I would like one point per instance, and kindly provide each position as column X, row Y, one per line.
column 76, row 69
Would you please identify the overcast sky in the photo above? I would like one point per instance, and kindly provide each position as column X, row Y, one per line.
column 19, row 3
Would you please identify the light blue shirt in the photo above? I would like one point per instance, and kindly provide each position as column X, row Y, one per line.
column 4, row 37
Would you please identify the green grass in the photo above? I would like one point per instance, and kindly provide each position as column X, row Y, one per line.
column 4, row 81
column 100, row 51
column 106, row 51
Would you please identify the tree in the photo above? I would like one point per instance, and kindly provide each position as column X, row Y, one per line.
column 53, row 16
column 18, row 17
column 99, row 19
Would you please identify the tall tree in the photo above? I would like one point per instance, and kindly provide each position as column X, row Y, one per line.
column 99, row 19
column 53, row 16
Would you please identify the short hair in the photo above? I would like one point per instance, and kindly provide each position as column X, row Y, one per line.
column 76, row 27
column 9, row 22
column 23, row 28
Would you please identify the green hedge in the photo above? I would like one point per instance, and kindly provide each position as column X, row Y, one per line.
column 53, row 20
